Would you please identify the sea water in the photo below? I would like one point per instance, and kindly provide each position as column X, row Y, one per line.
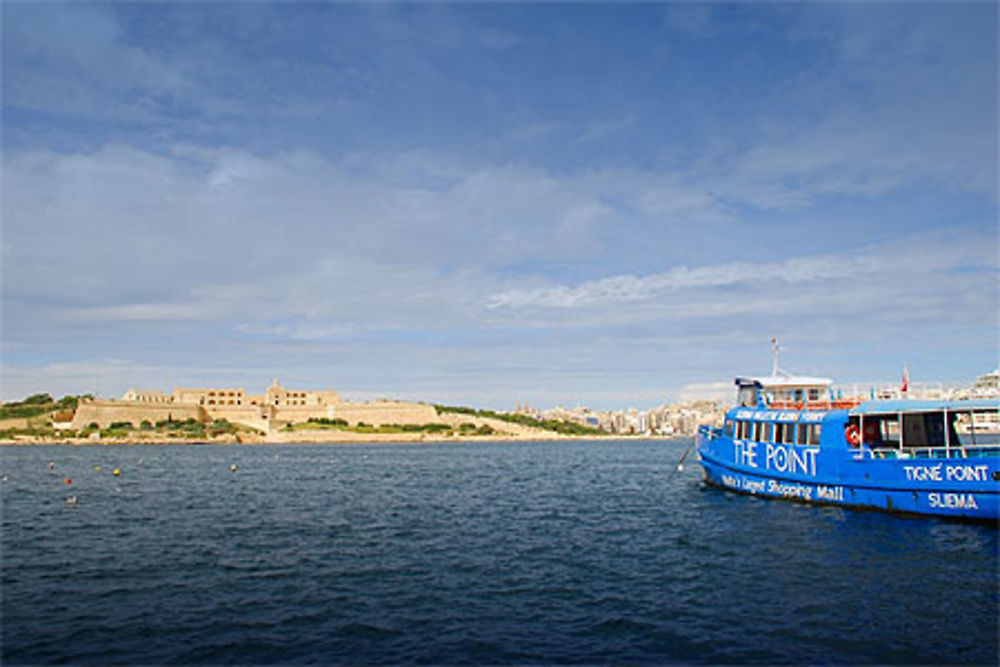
column 537, row 552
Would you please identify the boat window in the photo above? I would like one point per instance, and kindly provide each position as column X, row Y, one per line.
column 747, row 397
column 758, row 431
column 888, row 430
column 814, row 433
column 728, row 428
column 789, row 436
column 814, row 394
column 924, row 429
column 802, row 437
column 773, row 431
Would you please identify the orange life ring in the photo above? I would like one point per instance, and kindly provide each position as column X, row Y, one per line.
column 853, row 435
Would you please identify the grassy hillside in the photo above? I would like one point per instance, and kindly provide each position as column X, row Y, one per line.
column 38, row 404
column 557, row 426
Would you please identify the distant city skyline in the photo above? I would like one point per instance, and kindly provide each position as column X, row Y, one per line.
column 608, row 205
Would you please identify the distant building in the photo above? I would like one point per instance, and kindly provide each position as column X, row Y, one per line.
column 139, row 396
column 985, row 386
column 275, row 395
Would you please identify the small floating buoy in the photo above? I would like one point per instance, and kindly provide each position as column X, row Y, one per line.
column 233, row 468
column 51, row 465
column 680, row 467
column 71, row 501
column 67, row 481
column 116, row 472
column 98, row 468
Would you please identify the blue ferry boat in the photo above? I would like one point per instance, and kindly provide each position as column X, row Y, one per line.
column 796, row 438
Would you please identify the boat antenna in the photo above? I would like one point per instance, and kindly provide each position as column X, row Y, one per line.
column 775, row 368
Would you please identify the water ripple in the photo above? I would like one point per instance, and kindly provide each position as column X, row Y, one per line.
column 465, row 553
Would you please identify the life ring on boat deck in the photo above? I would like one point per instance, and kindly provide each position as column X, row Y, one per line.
column 853, row 435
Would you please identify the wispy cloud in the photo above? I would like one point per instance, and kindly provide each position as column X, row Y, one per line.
column 925, row 275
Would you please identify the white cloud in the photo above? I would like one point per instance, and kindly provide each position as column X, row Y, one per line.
column 107, row 377
column 926, row 278
column 707, row 391
column 331, row 249
column 625, row 288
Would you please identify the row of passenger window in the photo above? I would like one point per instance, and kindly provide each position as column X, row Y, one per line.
column 779, row 432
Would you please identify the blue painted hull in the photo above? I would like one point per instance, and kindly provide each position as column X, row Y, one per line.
column 961, row 488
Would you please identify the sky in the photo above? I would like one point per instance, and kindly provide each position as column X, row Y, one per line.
column 610, row 205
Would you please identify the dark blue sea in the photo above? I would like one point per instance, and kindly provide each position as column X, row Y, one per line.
column 561, row 552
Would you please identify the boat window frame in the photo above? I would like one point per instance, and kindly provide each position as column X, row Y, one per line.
column 774, row 434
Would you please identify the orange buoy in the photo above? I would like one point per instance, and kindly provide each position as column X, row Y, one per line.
column 67, row 481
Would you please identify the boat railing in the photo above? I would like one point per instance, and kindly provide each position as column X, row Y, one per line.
column 964, row 452
column 885, row 391
column 848, row 396
column 706, row 432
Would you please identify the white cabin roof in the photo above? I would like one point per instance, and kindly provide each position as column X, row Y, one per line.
column 787, row 381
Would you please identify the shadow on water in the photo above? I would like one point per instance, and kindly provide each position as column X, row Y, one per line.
column 466, row 552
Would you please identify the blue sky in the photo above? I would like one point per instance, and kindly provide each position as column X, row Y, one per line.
column 577, row 204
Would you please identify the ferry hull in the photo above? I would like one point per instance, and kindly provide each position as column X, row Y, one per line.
column 973, row 502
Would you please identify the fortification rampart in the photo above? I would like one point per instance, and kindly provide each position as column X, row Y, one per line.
column 105, row 413
column 262, row 417
column 379, row 413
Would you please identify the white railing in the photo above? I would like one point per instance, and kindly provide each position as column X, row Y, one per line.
column 951, row 452
column 880, row 391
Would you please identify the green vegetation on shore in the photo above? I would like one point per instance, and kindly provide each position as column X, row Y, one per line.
column 189, row 429
column 556, row 425
column 38, row 404
column 432, row 428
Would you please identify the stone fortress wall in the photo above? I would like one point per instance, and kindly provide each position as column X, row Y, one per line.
column 107, row 412
column 275, row 408
column 378, row 413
